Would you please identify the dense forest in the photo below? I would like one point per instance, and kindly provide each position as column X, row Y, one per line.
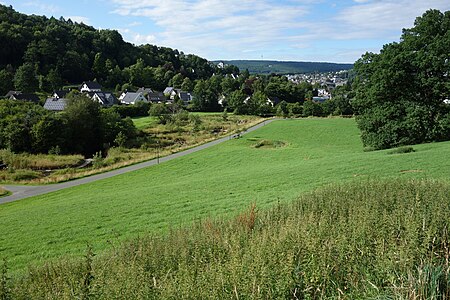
column 40, row 53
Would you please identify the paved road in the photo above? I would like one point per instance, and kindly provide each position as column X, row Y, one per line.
column 25, row 191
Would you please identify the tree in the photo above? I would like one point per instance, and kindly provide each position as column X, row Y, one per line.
column 161, row 111
column 6, row 81
column 187, row 85
column 400, row 92
column 236, row 102
column 82, row 118
column 176, row 81
column 26, row 79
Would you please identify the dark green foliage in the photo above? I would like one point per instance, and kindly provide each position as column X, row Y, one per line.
column 49, row 53
column 400, row 92
column 311, row 108
column 83, row 128
column 344, row 241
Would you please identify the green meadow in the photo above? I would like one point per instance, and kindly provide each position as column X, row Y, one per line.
column 272, row 165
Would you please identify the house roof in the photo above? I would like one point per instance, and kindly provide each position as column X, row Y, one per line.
column 131, row 97
column 144, row 90
column 92, row 85
column 106, row 98
column 26, row 97
column 60, row 94
column 185, row 96
column 11, row 93
column 168, row 90
column 55, row 104
column 156, row 97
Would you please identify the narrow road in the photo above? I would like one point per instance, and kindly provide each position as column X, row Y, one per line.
column 25, row 191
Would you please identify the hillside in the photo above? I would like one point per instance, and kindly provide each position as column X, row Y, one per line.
column 274, row 164
column 44, row 54
column 347, row 241
column 285, row 67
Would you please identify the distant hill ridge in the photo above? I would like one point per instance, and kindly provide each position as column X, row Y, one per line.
column 285, row 67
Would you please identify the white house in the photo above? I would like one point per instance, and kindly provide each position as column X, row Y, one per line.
column 133, row 98
column 90, row 86
column 104, row 98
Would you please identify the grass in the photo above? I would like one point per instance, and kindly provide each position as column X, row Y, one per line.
column 162, row 139
column 220, row 181
column 3, row 192
column 368, row 239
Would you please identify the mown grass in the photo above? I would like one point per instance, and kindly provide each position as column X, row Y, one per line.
column 368, row 239
column 220, row 181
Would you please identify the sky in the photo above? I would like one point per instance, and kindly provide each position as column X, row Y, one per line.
column 286, row 30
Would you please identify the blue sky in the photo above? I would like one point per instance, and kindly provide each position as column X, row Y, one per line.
column 300, row 30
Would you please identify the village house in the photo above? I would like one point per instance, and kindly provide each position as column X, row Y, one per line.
column 133, row 98
column 105, row 99
column 18, row 95
column 90, row 86
column 55, row 104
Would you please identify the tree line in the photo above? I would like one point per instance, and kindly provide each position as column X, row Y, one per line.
column 82, row 128
column 44, row 54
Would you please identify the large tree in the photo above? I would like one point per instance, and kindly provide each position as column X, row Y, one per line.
column 400, row 92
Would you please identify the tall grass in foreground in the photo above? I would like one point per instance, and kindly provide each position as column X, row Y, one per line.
column 368, row 239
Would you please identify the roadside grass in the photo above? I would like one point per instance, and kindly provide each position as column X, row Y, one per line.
column 367, row 239
column 3, row 192
column 162, row 140
column 219, row 181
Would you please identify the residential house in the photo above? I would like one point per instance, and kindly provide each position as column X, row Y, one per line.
column 185, row 97
column 104, row 98
column 156, row 97
column 25, row 97
column 90, row 86
column 144, row 90
column 168, row 90
column 55, row 104
column 171, row 94
column 133, row 98
column 60, row 94
column 273, row 101
column 12, row 93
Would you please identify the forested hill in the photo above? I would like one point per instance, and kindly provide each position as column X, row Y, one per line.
column 49, row 53
column 286, row 67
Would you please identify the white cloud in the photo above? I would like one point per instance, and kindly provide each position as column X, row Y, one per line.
column 79, row 19
column 140, row 39
column 218, row 28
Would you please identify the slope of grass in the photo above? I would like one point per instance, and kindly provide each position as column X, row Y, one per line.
column 219, row 181
column 369, row 239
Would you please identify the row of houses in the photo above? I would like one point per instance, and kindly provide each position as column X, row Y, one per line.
column 58, row 101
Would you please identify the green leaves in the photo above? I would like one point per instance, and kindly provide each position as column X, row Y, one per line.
column 400, row 92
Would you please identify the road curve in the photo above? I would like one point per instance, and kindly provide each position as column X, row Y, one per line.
column 24, row 191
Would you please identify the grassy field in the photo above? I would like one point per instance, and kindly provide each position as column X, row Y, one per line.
column 368, row 239
column 297, row 156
